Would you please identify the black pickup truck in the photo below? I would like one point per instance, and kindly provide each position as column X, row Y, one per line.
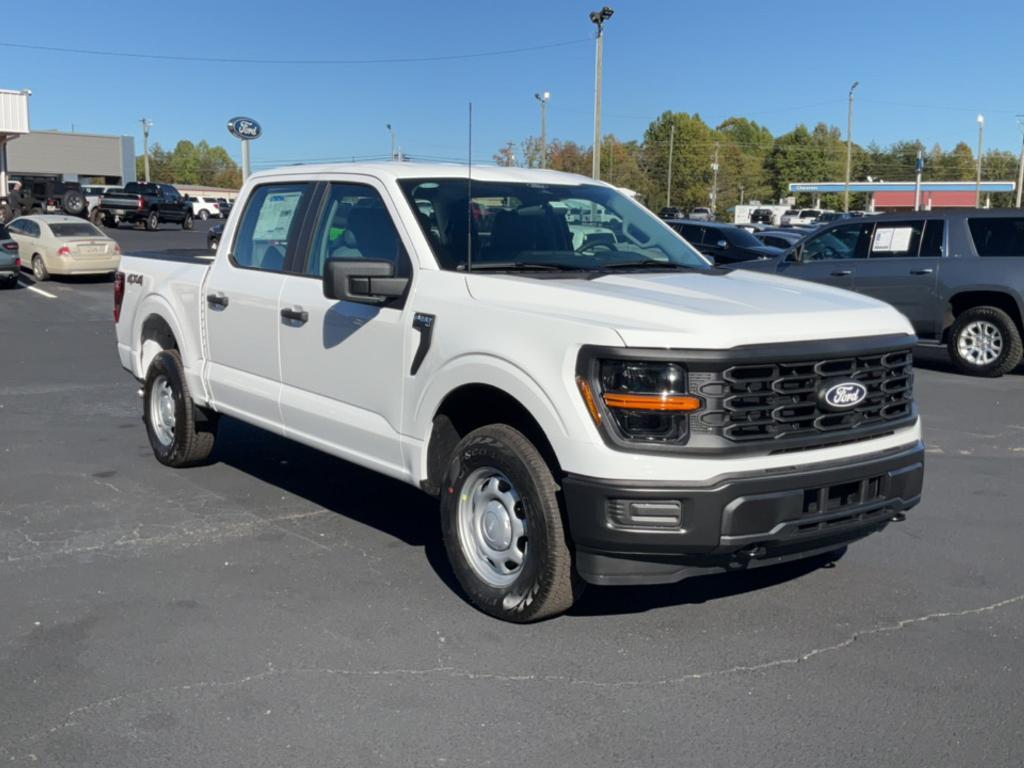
column 958, row 275
column 148, row 204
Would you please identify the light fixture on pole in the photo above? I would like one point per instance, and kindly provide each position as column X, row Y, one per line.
column 146, row 125
column 599, row 18
column 543, row 98
column 849, row 146
column 393, row 150
column 981, row 147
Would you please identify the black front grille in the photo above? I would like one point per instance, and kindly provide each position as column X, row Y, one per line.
column 779, row 401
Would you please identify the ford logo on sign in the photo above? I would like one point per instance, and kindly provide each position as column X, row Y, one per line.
column 244, row 128
column 842, row 396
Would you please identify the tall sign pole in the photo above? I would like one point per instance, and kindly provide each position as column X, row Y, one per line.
column 849, row 147
column 245, row 129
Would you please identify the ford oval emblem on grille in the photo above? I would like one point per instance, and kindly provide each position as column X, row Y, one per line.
column 842, row 396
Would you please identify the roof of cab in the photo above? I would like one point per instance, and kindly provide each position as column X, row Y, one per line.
column 407, row 170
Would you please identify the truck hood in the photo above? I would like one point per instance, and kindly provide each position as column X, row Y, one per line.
column 700, row 310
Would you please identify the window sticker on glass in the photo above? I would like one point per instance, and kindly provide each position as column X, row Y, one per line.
column 883, row 239
column 892, row 239
column 276, row 216
column 901, row 239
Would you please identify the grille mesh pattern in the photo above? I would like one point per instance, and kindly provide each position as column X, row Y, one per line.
column 775, row 401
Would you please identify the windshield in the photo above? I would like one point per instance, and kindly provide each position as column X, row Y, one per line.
column 543, row 226
column 808, row 214
column 741, row 238
column 82, row 229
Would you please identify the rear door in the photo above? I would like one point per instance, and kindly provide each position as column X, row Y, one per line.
column 830, row 256
column 241, row 303
column 344, row 364
column 902, row 270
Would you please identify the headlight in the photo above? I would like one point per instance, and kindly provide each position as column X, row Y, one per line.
column 645, row 401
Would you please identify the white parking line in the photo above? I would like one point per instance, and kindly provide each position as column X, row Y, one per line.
column 40, row 291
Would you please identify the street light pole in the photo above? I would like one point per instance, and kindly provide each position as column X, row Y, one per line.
column 393, row 145
column 671, row 146
column 714, row 183
column 146, row 125
column 543, row 99
column 981, row 147
column 849, row 147
column 1020, row 165
column 599, row 18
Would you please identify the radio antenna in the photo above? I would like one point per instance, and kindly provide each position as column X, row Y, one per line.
column 469, row 195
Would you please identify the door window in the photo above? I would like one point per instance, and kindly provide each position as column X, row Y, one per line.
column 849, row 241
column 355, row 225
column 269, row 226
column 900, row 239
column 931, row 243
column 690, row 232
column 998, row 236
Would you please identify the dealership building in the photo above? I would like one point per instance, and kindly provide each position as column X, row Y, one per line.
column 87, row 158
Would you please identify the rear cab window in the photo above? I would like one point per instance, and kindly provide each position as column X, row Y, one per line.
column 997, row 237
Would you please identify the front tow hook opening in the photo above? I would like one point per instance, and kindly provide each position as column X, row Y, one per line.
column 898, row 517
column 752, row 552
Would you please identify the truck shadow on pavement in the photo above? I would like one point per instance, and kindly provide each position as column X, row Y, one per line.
column 405, row 513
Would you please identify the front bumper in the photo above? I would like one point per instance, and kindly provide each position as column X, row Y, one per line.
column 625, row 532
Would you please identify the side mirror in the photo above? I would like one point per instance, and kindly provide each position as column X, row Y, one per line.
column 722, row 244
column 362, row 281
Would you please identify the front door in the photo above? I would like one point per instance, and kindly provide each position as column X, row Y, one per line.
column 343, row 364
column 903, row 269
column 241, row 304
column 830, row 257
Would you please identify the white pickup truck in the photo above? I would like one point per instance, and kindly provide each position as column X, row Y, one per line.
column 597, row 407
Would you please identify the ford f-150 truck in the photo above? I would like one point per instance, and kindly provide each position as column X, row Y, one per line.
column 606, row 409
column 145, row 203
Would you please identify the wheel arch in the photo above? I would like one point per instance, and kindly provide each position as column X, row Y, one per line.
column 969, row 298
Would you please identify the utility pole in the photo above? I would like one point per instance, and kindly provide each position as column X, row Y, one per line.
column 918, row 170
column 1020, row 166
column 599, row 18
column 849, row 147
column 146, row 125
column 394, row 150
column 671, row 146
column 981, row 148
column 714, row 182
column 543, row 99
column 741, row 194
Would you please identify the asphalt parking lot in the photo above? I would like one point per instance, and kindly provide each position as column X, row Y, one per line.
column 282, row 608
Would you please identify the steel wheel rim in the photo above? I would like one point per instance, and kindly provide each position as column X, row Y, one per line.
column 492, row 526
column 980, row 343
column 162, row 410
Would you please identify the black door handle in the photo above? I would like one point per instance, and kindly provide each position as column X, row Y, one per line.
column 921, row 271
column 217, row 300
column 842, row 273
column 295, row 314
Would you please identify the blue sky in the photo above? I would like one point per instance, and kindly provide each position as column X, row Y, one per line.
column 923, row 73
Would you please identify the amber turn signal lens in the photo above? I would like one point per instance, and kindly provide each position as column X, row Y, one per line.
column 652, row 402
column 588, row 398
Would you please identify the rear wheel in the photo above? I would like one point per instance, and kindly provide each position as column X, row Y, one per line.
column 39, row 270
column 153, row 221
column 984, row 341
column 187, row 222
column 204, row 215
column 503, row 528
column 180, row 433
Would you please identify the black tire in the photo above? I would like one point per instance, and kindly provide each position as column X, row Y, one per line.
column 204, row 215
column 194, row 429
column 1010, row 349
column 97, row 217
column 73, row 202
column 546, row 584
column 39, row 270
column 153, row 221
column 187, row 222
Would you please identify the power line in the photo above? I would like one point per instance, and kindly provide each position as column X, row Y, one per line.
column 294, row 62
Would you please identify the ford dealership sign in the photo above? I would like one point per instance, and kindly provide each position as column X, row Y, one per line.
column 244, row 128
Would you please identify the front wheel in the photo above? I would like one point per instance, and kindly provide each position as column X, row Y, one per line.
column 503, row 529
column 187, row 222
column 180, row 433
column 984, row 341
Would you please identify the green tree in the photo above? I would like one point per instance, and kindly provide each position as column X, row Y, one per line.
column 692, row 152
column 191, row 164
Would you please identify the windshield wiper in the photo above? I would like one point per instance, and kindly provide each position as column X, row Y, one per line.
column 523, row 266
column 650, row 263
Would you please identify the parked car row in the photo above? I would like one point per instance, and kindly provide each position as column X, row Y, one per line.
column 695, row 214
column 724, row 243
